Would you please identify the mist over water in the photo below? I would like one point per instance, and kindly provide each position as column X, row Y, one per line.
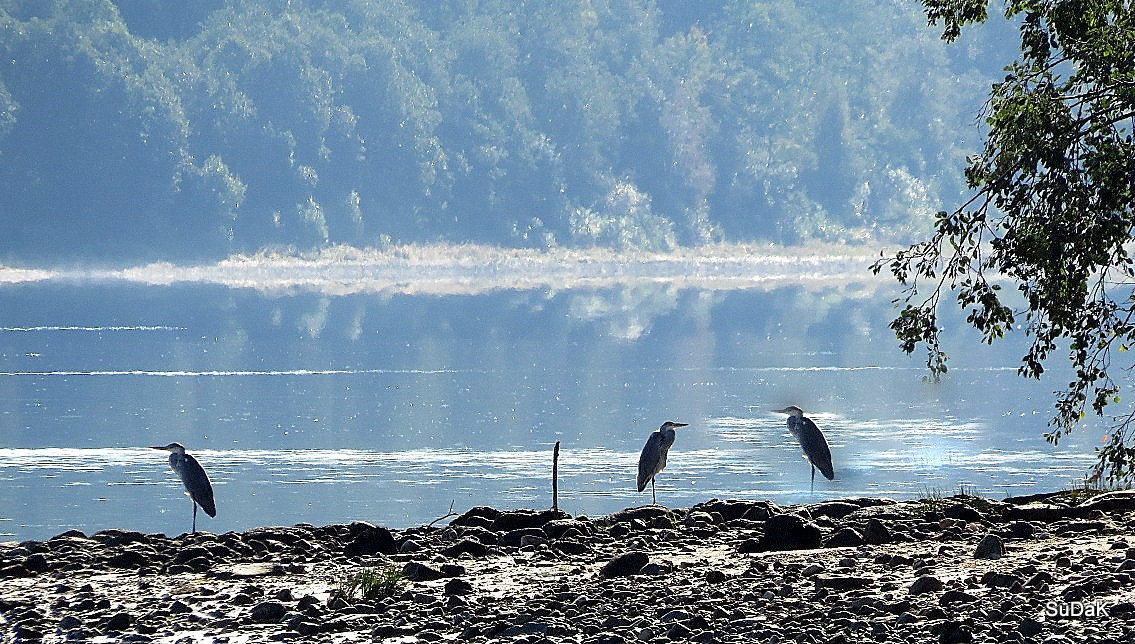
column 384, row 385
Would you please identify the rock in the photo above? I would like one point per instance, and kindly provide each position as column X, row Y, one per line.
column 521, row 519
column 842, row 582
column 623, row 565
column 457, row 587
column 844, row 537
column 115, row 537
column 1043, row 512
column 414, row 571
column 515, row 538
column 119, row 621
column 70, row 622
column 36, row 563
column 532, row 541
column 962, row 512
column 715, row 577
column 556, row 528
column 525, row 629
column 409, row 546
column 1116, row 501
column 1122, row 608
column 644, row 514
column 1030, row 627
column 654, row 569
column 481, row 516
column 954, row 596
column 952, row 632
column 833, row 509
column 452, row 570
column 1008, row 580
column 876, row 532
column 1021, row 529
column 749, row 546
column 676, row 615
column 731, row 510
column 790, row 532
column 678, row 631
column 619, row 530
column 571, row 546
column 369, row 539
column 247, row 571
column 470, row 547
column 990, row 547
column 128, row 559
column 926, row 584
column 25, row 633
column 268, row 612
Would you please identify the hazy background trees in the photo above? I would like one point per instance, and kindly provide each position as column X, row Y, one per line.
column 151, row 130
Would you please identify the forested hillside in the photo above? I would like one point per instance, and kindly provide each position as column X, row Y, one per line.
column 148, row 129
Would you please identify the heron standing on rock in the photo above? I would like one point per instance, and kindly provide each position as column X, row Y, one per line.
column 812, row 441
column 193, row 477
column 653, row 457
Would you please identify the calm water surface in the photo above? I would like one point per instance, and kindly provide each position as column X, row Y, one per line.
column 315, row 402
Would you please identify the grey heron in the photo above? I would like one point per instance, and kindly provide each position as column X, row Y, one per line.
column 193, row 477
column 812, row 441
column 653, row 457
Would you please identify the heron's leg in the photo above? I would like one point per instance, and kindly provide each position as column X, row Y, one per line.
column 194, row 517
column 813, row 478
column 653, row 498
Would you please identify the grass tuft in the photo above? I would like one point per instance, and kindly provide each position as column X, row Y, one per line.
column 369, row 583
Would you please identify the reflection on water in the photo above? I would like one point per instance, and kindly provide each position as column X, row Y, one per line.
column 313, row 393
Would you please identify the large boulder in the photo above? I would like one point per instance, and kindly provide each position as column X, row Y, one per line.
column 368, row 539
column 790, row 532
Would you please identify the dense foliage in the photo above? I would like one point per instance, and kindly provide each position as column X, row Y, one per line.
column 169, row 130
column 1052, row 210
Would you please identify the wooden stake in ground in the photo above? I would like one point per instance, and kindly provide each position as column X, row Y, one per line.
column 556, row 477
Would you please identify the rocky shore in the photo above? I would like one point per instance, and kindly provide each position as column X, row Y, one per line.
column 1047, row 568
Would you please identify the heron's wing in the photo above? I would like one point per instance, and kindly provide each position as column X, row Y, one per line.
column 815, row 448
column 650, row 462
column 196, row 482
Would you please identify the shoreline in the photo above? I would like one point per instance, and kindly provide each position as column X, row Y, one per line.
column 1051, row 567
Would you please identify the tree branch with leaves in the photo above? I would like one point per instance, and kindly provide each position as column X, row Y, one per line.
column 1052, row 212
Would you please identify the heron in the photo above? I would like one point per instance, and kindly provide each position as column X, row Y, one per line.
column 653, row 457
column 812, row 441
column 193, row 477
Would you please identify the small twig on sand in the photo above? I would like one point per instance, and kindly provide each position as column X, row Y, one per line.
column 556, row 478
column 446, row 516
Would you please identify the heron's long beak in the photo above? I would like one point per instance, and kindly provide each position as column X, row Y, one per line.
column 161, row 447
column 681, row 424
column 786, row 410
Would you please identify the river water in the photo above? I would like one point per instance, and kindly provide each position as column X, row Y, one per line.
column 394, row 386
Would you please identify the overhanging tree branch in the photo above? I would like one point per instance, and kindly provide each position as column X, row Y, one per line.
column 1052, row 212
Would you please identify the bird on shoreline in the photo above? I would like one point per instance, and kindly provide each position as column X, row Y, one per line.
column 812, row 442
column 193, row 477
column 653, row 457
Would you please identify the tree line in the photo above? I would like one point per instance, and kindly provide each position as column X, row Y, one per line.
column 186, row 131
